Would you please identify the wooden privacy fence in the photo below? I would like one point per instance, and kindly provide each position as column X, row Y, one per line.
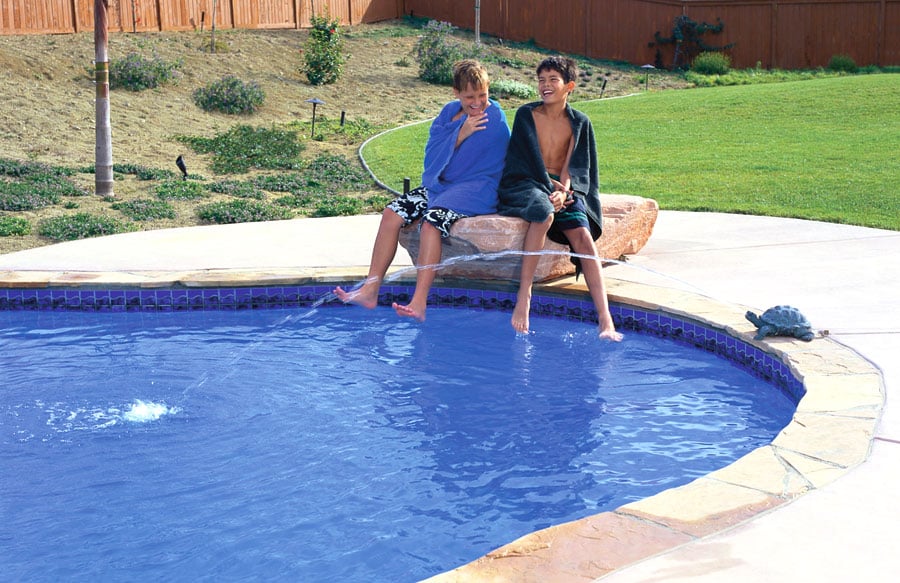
column 68, row 16
column 786, row 34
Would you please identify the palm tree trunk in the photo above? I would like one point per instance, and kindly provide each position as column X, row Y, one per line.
column 103, row 174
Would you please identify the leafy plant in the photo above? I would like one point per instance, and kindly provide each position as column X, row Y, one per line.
column 711, row 63
column 181, row 190
column 338, row 172
column 79, row 226
column 511, row 88
column 436, row 53
column 34, row 186
column 230, row 95
column 842, row 63
column 19, row 169
column 323, row 56
column 293, row 182
column 10, row 226
column 237, row 188
column 335, row 206
column 687, row 36
column 137, row 73
column 244, row 147
column 141, row 172
column 145, row 209
column 241, row 211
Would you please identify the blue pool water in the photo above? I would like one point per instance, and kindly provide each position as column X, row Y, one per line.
column 340, row 444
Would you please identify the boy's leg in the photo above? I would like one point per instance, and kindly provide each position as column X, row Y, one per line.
column 403, row 210
column 429, row 256
column 535, row 237
column 383, row 252
column 582, row 244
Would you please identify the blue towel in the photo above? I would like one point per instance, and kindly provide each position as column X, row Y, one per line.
column 465, row 179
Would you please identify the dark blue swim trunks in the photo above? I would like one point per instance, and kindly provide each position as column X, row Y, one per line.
column 569, row 217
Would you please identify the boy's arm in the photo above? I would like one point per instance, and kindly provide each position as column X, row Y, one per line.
column 565, row 180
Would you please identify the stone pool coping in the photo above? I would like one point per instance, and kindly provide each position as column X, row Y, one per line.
column 830, row 433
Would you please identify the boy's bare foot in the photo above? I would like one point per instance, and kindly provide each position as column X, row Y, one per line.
column 366, row 296
column 409, row 311
column 520, row 316
column 610, row 333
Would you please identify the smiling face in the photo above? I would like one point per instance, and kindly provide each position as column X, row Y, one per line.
column 474, row 100
column 556, row 79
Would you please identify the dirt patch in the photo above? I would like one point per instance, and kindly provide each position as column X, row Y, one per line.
column 47, row 96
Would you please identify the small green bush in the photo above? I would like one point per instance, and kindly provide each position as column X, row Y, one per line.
column 145, row 209
column 711, row 63
column 336, row 206
column 244, row 147
column 18, row 169
column 142, row 172
column 10, row 226
column 181, row 190
column 323, row 55
column 136, row 73
column 338, row 172
column 238, row 188
column 79, row 226
column 20, row 196
column 297, row 201
column 436, row 53
column 241, row 211
column 843, row 64
column 510, row 88
column 230, row 95
column 292, row 182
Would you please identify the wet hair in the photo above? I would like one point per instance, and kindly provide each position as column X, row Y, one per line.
column 562, row 65
column 470, row 72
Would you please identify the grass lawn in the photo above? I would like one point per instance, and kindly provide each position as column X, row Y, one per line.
column 821, row 149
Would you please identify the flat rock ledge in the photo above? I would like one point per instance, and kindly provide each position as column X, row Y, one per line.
column 486, row 247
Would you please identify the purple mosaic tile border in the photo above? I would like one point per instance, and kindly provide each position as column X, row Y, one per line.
column 760, row 363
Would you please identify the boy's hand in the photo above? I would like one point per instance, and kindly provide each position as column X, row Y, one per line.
column 472, row 124
column 561, row 199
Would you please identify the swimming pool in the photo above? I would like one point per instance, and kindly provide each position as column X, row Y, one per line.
column 516, row 437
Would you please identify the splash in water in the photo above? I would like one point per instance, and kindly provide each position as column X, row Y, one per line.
column 142, row 411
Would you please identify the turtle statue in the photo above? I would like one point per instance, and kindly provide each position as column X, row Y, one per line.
column 781, row 321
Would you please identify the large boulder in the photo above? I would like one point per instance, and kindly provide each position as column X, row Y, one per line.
column 488, row 246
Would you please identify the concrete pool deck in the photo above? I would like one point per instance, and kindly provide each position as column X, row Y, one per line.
column 845, row 280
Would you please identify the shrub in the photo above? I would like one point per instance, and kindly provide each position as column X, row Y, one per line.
column 79, row 226
column 241, row 211
column 323, row 56
column 10, row 226
column 237, row 188
column 145, row 209
column 510, row 88
column 292, row 182
column 338, row 172
column 23, row 196
column 230, row 95
column 141, row 172
column 136, row 73
column 244, row 147
column 436, row 54
column 180, row 190
column 711, row 63
column 843, row 64
column 335, row 206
